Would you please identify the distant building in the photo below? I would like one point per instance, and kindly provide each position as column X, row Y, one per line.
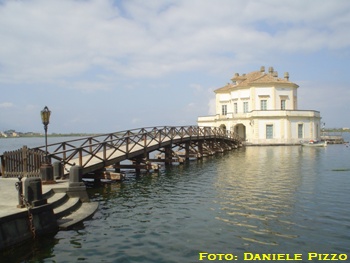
column 9, row 133
column 263, row 110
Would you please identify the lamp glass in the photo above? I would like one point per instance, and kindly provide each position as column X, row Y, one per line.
column 45, row 115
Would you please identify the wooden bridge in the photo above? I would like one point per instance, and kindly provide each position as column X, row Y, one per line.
column 94, row 154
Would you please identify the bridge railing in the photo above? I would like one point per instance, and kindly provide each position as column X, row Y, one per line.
column 25, row 162
column 102, row 148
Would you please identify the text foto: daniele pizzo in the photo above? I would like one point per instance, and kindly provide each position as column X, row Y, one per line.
column 272, row 256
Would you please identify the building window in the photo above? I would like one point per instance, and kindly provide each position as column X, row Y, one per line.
column 269, row 131
column 263, row 105
column 283, row 104
column 235, row 107
column 224, row 109
column 245, row 107
column 300, row 131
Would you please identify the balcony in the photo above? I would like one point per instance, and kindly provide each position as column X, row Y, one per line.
column 216, row 117
column 282, row 113
column 262, row 114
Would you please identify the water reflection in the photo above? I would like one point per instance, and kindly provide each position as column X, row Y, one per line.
column 256, row 192
column 259, row 199
column 275, row 195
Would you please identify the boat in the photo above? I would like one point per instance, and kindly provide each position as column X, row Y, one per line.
column 314, row 143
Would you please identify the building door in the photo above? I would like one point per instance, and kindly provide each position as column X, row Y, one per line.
column 240, row 130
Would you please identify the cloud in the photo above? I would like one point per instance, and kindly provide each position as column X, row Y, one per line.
column 135, row 120
column 108, row 55
column 196, row 87
column 47, row 40
column 6, row 105
column 88, row 86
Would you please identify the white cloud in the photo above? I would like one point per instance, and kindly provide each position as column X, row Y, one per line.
column 196, row 87
column 88, row 86
column 6, row 104
column 135, row 120
column 53, row 39
column 128, row 53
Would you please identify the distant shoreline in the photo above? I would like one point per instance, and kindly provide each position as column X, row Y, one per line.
column 40, row 135
column 52, row 135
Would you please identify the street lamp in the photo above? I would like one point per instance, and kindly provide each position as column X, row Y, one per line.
column 46, row 169
column 45, row 117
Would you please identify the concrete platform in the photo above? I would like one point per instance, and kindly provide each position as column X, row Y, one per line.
column 64, row 209
column 9, row 194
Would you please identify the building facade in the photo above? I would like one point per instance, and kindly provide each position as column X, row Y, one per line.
column 263, row 110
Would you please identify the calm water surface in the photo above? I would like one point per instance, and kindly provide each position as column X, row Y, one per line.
column 255, row 199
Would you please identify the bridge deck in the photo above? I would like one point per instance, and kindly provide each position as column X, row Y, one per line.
column 108, row 157
column 111, row 156
column 95, row 153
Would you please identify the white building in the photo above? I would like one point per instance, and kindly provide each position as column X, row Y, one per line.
column 263, row 109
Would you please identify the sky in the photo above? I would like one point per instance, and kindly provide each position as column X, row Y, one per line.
column 103, row 66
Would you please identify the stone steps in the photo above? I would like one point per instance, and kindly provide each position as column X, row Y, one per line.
column 69, row 211
column 67, row 208
column 85, row 212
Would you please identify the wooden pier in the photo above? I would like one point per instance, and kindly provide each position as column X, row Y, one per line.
column 333, row 139
column 104, row 156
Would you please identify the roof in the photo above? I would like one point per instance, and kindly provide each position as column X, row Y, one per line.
column 253, row 78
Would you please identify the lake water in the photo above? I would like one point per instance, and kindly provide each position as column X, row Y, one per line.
column 285, row 199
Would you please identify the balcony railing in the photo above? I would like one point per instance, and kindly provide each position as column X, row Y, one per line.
column 260, row 114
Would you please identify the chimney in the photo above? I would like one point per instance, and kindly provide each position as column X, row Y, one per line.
column 270, row 70
column 275, row 74
column 286, row 76
column 262, row 69
column 236, row 74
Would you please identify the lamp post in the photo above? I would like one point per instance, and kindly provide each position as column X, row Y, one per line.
column 46, row 168
column 45, row 117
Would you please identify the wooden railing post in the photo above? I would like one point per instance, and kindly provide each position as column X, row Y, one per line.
column 144, row 139
column 90, row 144
column 172, row 132
column 80, row 157
column 25, row 160
column 2, row 171
column 104, row 151
column 160, row 136
column 145, row 154
column 64, row 153
column 127, row 145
